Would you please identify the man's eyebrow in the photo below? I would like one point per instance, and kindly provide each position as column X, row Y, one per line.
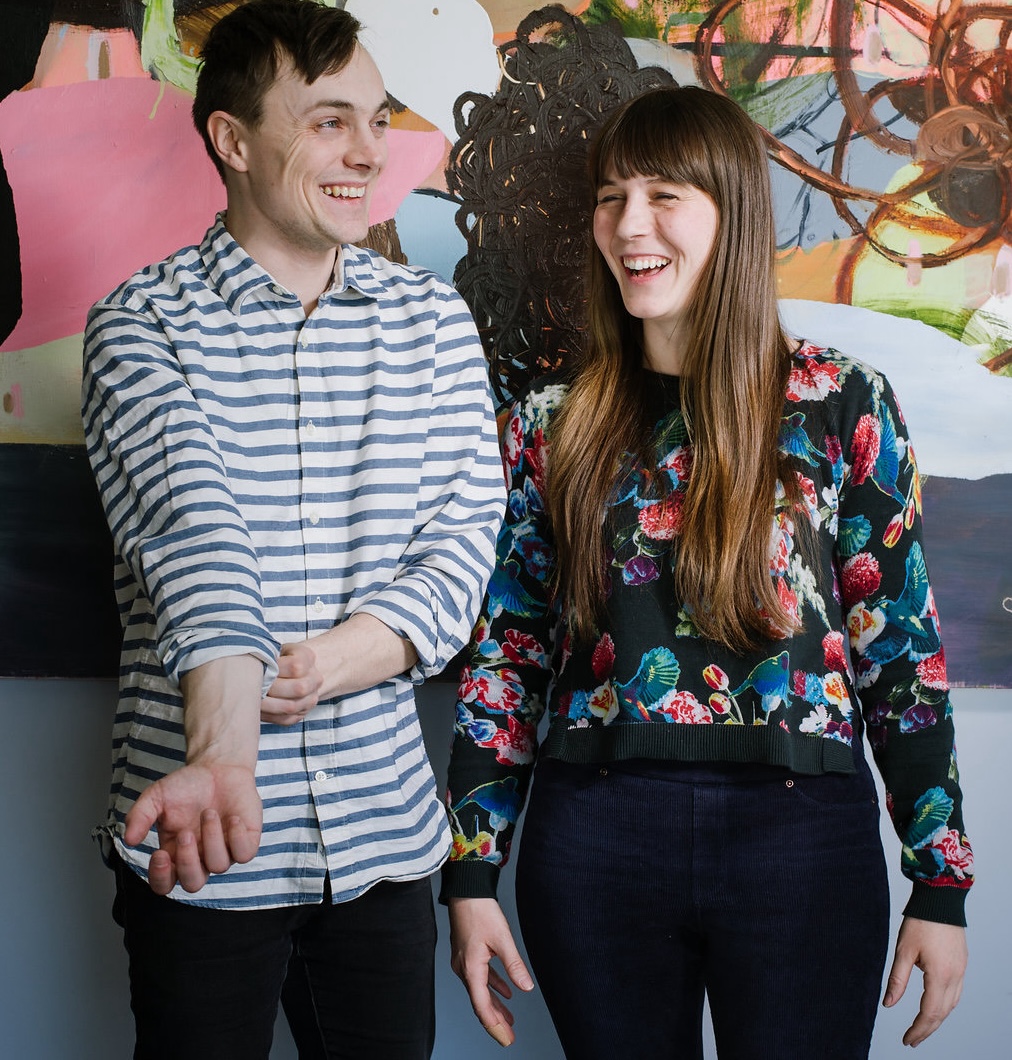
column 343, row 104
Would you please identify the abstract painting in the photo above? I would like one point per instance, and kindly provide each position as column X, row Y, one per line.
column 888, row 131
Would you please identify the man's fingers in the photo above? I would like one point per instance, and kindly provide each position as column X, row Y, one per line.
column 212, row 842
column 280, row 712
column 243, row 842
column 190, row 869
column 161, row 873
column 141, row 817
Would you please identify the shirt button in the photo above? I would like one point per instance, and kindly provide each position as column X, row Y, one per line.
column 320, row 775
column 310, row 427
column 314, row 517
column 276, row 289
column 318, row 605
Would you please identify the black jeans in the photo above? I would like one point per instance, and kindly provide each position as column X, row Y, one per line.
column 356, row 980
column 641, row 887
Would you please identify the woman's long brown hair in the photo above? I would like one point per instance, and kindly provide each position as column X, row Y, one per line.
column 735, row 369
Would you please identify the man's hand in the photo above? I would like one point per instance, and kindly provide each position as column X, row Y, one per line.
column 479, row 932
column 208, row 818
column 208, row 813
column 355, row 654
column 939, row 950
column 296, row 689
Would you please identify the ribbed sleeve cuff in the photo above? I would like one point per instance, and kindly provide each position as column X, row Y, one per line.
column 941, row 905
column 468, row 879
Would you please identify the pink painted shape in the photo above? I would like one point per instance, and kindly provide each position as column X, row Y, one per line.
column 70, row 53
column 17, row 402
column 413, row 156
column 107, row 178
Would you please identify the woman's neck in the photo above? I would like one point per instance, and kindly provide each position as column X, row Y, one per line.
column 662, row 348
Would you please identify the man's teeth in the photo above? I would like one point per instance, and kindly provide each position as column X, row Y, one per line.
column 343, row 191
column 640, row 264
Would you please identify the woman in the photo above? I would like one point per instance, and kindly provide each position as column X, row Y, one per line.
column 698, row 519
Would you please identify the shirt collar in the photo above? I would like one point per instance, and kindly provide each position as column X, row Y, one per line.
column 230, row 270
column 355, row 269
column 236, row 276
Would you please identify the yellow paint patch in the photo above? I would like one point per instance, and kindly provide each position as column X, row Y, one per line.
column 813, row 274
column 40, row 394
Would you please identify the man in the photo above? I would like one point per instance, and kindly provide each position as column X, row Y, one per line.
column 296, row 452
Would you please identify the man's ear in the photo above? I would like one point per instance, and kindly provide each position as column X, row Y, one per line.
column 226, row 135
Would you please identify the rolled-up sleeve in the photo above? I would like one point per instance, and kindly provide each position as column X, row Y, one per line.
column 174, row 521
column 434, row 597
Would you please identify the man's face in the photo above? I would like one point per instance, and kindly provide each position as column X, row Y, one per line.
column 313, row 161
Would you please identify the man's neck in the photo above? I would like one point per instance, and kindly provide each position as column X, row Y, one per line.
column 306, row 275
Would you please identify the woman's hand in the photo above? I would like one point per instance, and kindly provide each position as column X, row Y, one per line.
column 479, row 932
column 939, row 950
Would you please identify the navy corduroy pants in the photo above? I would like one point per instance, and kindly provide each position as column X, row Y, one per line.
column 643, row 886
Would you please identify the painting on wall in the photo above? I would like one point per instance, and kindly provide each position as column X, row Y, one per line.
column 887, row 125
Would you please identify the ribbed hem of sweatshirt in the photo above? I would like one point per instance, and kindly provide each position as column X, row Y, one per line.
column 468, row 879
column 941, row 905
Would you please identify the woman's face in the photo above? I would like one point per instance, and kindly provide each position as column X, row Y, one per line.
column 656, row 237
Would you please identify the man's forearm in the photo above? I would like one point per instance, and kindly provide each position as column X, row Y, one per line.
column 221, row 700
column 359, row 653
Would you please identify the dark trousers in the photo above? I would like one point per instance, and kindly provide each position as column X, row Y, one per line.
column 641, row 887
column 356, row 980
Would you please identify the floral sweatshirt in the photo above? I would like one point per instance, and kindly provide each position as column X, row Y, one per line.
column 648, row 686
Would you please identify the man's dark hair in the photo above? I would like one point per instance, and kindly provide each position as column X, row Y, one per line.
column 245, row 51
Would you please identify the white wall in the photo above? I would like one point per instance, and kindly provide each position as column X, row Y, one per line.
column 63, row 993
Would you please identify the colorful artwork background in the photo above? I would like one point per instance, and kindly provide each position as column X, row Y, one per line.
column 888, row 132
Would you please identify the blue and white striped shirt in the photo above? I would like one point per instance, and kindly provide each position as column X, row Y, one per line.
column 265, row 475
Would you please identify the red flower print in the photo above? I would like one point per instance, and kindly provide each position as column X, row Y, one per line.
column 861, row 578
column 864, row 447
column 683, row 707
column 514, row 745
column 535, row 457
column 521, row 647
column 497, row 693
column 812, row 380
column 932, row 673
column 832, row 651
column 834, row 451
column 788, row 597
column 719, row 703
column 715, row 677
column 679, row 461
column 603, row 658
column 664, row 520
column 781, row 558
column 799, row 679
column 808, row 489
column 956, row 853
column 894, row 531
column 513, row 442
column 908, row 514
